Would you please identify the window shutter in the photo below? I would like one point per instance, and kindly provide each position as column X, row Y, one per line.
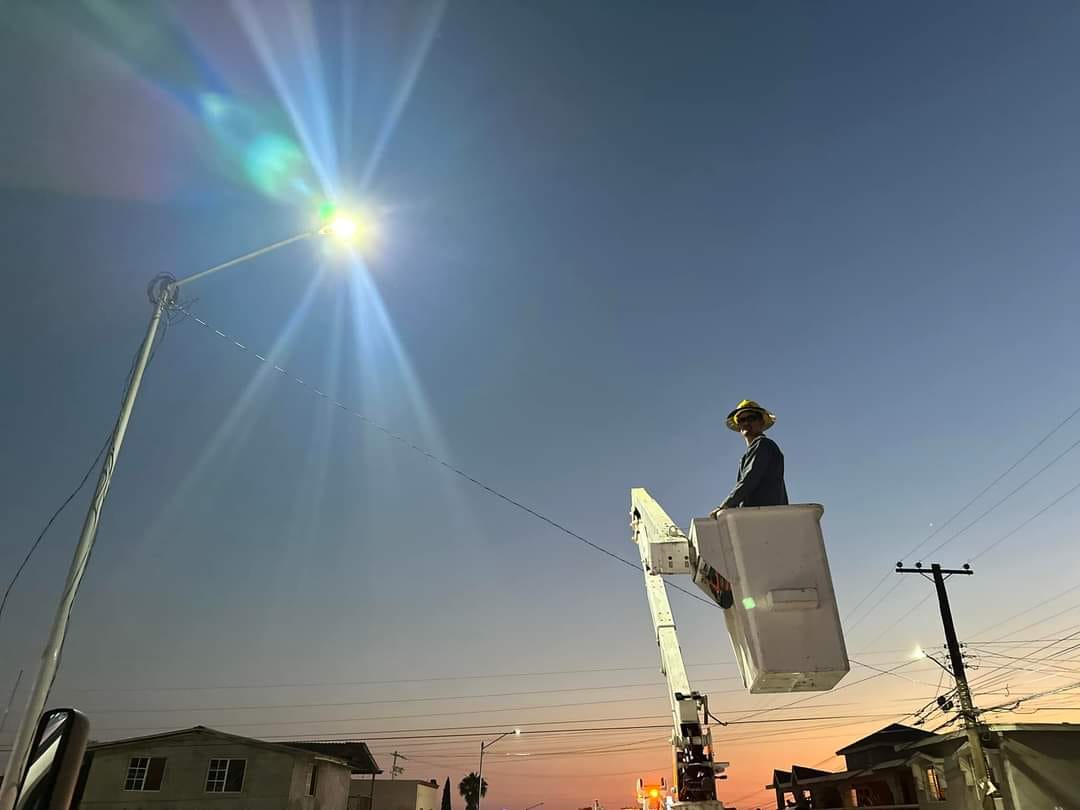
column 234, row 779
column 155, row 771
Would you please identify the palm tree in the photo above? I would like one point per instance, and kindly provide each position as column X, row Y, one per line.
column 468, row 788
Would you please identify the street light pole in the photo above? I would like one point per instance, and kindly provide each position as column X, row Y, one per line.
column 50, row 658
column 163, row 293
column 480, row 773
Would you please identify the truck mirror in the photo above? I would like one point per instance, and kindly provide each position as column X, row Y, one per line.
column 56, row 757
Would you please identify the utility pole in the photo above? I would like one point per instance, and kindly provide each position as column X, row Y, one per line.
column 968, row 713
column 395, row 770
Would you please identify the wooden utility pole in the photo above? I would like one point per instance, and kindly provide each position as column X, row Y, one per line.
column 968, row 712
column 395, row 770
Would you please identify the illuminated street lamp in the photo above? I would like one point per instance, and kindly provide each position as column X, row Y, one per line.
column 163, row 295
column 480, row 772
column 343, row 227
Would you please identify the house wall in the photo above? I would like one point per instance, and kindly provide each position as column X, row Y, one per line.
column 1042, row 769
column 958, row 795
column 331, row 786
column 273, row 780
column 397, row 794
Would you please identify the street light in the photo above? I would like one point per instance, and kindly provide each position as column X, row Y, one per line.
column 163, row 295
column 480, row 772
column 341, row 226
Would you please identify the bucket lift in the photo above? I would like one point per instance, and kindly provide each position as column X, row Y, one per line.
column 783, row 624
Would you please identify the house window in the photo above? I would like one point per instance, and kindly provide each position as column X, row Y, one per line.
column 225, row 775
column 935, row 784
column 313, row 780
column 144, row 773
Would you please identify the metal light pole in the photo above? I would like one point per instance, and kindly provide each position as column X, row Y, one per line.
column 163, row 293
column 480, row 773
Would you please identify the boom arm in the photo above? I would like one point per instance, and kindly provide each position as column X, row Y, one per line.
column 665, row 549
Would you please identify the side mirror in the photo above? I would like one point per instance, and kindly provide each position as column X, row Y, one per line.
column 56, row 758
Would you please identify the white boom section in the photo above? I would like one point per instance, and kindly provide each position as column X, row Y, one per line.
column 664, row 549
column 652, row 527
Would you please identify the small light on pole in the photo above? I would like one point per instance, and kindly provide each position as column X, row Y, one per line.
column 342, row 226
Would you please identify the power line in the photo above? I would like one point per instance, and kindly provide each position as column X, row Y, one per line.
column 989, row 679
column 1024, row 612
column 1024, row 523
column 874, row 606
column 431, row 699
column 490, row 695
column 396, row 681
column 389, row 735
column 89, row 471
column 964, row 508
column 997, row 542
column 389, row 681
column 819, row 695
column 480, row 728
column 998, row 503
column 440, row 461
column 48, row 524
column 519, row 709
column 1021, row 700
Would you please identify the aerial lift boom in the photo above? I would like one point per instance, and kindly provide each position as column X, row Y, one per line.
column 665, row 549
column 768, row 567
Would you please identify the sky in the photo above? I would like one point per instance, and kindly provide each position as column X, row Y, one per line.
column 598, row 226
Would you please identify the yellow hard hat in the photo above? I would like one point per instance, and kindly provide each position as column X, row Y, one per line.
column 750, row 405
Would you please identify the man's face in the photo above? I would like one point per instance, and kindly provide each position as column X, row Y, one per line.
column 749, row 424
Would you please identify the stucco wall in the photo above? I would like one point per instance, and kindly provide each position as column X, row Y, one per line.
column 273, row 780
column 1043, row 769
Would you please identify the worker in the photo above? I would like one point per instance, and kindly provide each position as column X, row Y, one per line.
column 760, row 481
column 761, row 471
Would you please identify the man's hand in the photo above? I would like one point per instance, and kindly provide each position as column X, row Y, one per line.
column 715, row 513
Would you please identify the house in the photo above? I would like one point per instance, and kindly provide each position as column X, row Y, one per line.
column 395, row 794
column 1033, row 766
column 191, row 768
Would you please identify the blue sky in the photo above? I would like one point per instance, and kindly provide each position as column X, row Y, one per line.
column 600, row 227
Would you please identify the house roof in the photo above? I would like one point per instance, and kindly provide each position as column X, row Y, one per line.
column 803, row 772
column 1001, row 728
column 895, row 734
column 221, row 736
column 779, row 779
column 356, row 753
column 795, row 776
column 833, row 777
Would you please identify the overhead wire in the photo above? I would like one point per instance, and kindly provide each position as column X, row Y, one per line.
column 965, row 507
column 438, row 460
column 388, row 681
column 1012, row 492
column 423, row 699
column 158, row 286
column 165, row 322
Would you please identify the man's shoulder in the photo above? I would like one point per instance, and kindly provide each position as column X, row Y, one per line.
column 767, row 444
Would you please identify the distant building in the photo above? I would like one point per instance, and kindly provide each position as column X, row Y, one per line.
column 193, row 768
column 394, row 794
column 1033, row 766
